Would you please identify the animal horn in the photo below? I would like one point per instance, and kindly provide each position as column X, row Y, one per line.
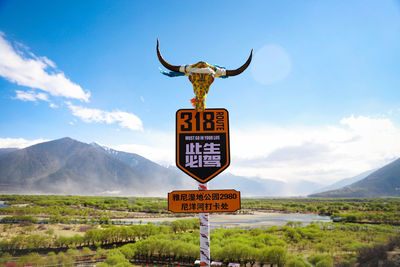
column 242, row 68
column 165, row 63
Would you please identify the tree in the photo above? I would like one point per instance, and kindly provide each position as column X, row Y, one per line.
column 129, row 251
column 277, row 255
column 116, row 258
column 315, row 258
column 5, row 257
column 297, row 261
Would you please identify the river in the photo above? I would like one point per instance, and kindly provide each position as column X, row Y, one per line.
column 2, row 205
column 255, row 220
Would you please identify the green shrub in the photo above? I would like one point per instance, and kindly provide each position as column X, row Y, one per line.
column 5, row 257
column 321, row 247
column 115, row 257
column 277, row 255
column 315, row 258
column 297, row 261
column 325, row 263
column 354, row 246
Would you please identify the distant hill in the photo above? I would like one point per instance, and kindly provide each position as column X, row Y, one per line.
column 301, row 188
column 384, row 182
column 257, row 187
column 67, row 166
column 7, row 150
column 344, row 182
column 248, row 186
column 151, row 171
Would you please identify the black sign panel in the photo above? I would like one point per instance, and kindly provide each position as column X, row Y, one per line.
column 202, row 142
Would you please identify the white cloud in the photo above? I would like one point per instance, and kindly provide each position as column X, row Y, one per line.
column 19, row 142
column 161, row 155
column 30, row 96
column 157, row 146
column 142, row 99
column 322, row 154
column 26, row 69
column 124, row 119
column 53, row 105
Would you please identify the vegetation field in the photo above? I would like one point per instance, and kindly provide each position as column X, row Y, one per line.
column 76, row 230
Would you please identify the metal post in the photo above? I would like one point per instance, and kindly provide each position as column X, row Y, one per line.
column 204, row 235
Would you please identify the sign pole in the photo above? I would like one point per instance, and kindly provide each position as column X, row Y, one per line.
column 202, row 145
column 204, row 234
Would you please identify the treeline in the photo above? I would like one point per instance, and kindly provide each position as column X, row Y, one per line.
column 104, row 219
column 152, row 204
column 323, row 205
column 67, row 258
column 137, row 204
column 179, row 241
column 19, row 218
column 327, row 243
column 182, row 248
column 369, row 217
column 102, row 209
column 97, row 237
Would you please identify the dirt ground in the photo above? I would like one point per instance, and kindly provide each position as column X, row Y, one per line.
column 8, row 231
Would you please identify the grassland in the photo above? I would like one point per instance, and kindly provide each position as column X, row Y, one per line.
column 67, row 229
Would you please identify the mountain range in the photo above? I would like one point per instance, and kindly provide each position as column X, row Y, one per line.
column 67, row 166
column 384, row 182
column 344, row 182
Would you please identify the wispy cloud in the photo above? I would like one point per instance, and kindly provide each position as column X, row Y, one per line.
column 158, row 154
column 22, row 67
column 124, row 119
column 30, row 96
column 19, row 142
column 324, row 154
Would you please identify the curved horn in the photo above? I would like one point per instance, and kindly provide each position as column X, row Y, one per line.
column 165, row 63
column 242, row 68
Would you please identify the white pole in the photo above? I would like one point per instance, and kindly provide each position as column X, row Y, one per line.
column 204, row 235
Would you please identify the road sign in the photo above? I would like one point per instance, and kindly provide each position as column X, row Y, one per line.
column 201, row 201
column 202, row 142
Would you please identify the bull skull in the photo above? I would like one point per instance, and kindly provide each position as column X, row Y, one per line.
column 202, row 75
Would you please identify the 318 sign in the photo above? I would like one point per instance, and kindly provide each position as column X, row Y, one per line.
column 202, row 142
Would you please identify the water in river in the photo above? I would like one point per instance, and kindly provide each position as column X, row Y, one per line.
column 2, row 205
column 263, row 219
column 256, row 220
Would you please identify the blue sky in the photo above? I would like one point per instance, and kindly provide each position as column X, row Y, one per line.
column 320, row 101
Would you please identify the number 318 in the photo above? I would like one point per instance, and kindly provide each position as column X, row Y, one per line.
column 206, row 121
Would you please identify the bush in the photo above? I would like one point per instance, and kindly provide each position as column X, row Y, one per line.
column 5, row 257
column 347, row 262
column 86, row 251
column 325, row 263
column 128, row 250
column 315, row 258
column 17, row 218
column 321, row 248
column 297, row 261
column 354, row 246
column 277, row 255
column 292, row 235
column 115, row 257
